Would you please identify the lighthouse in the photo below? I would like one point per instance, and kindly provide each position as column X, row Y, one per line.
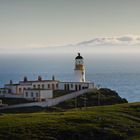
column 79, row 69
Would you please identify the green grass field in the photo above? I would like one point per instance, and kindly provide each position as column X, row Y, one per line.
column 113, row 122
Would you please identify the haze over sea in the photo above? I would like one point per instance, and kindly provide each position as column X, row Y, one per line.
column 120, row 72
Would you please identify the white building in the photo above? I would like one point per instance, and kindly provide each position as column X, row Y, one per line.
column 75, row 86
column 43, row 89
column 37, row 90
column 37, row 95
column 36, row 84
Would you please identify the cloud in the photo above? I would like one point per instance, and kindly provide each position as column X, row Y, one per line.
column 122, row 40
column 125, row 43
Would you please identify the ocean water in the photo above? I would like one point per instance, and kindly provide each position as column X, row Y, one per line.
column 120, row 72
column 126, row 84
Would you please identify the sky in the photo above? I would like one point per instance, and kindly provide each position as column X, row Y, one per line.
column 44, row 23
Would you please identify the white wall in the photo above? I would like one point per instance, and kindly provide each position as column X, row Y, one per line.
column 45, row 85
column 46, row 94
column 19, row 89
column 79, row 75
column 38, row 94
column 72, row 85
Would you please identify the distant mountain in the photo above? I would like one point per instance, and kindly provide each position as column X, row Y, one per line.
column 123, row 40
column 113, row 44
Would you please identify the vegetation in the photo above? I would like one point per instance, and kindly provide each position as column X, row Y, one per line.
column 103, row 96
column 13, row 101
column 117, row 122
column 87, row 123
column 58, row 93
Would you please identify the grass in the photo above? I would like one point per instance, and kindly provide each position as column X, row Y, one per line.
column 13, row 101
column 117, row 122
column 58, row 93
column 103, row 96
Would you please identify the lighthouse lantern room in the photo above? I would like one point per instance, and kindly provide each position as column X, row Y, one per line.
column 79, row 69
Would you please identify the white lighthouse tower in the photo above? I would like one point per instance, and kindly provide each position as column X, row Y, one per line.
column 79, row 69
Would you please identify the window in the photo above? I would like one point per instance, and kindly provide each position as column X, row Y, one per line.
column 37, row 95
column 79, row 87
column 76, row 87
column 56, row 85
column 48, row 86
column 38, row 86
column 43, row 86
column 19, row 90
column 32, row 94
column 65, row 87
column 34, row 86
column 53, row 87
column 9, row 90
column 71, row 85
column 68, row 87
column 26, row 94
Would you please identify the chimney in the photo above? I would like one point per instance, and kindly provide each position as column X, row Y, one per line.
column 39, row 78
column 53, row 78
column 11, row 82
column 25, row 79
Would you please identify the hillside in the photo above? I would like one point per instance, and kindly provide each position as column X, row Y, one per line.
column 98, row 97
column 117, row 122
column 13, row 101
column 102, row 96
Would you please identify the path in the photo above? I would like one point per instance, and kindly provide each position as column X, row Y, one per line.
column 52, row 102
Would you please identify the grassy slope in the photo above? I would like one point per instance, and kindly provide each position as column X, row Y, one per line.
column 103, row 122
column 13, row 101
column 107, row 97
column 103, row 96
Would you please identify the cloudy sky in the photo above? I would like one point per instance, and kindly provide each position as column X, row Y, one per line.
column 43, row 23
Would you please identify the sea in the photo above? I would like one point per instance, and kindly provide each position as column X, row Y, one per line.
column 108, row 71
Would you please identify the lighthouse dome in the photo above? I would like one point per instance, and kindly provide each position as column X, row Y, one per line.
column 79, row 56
